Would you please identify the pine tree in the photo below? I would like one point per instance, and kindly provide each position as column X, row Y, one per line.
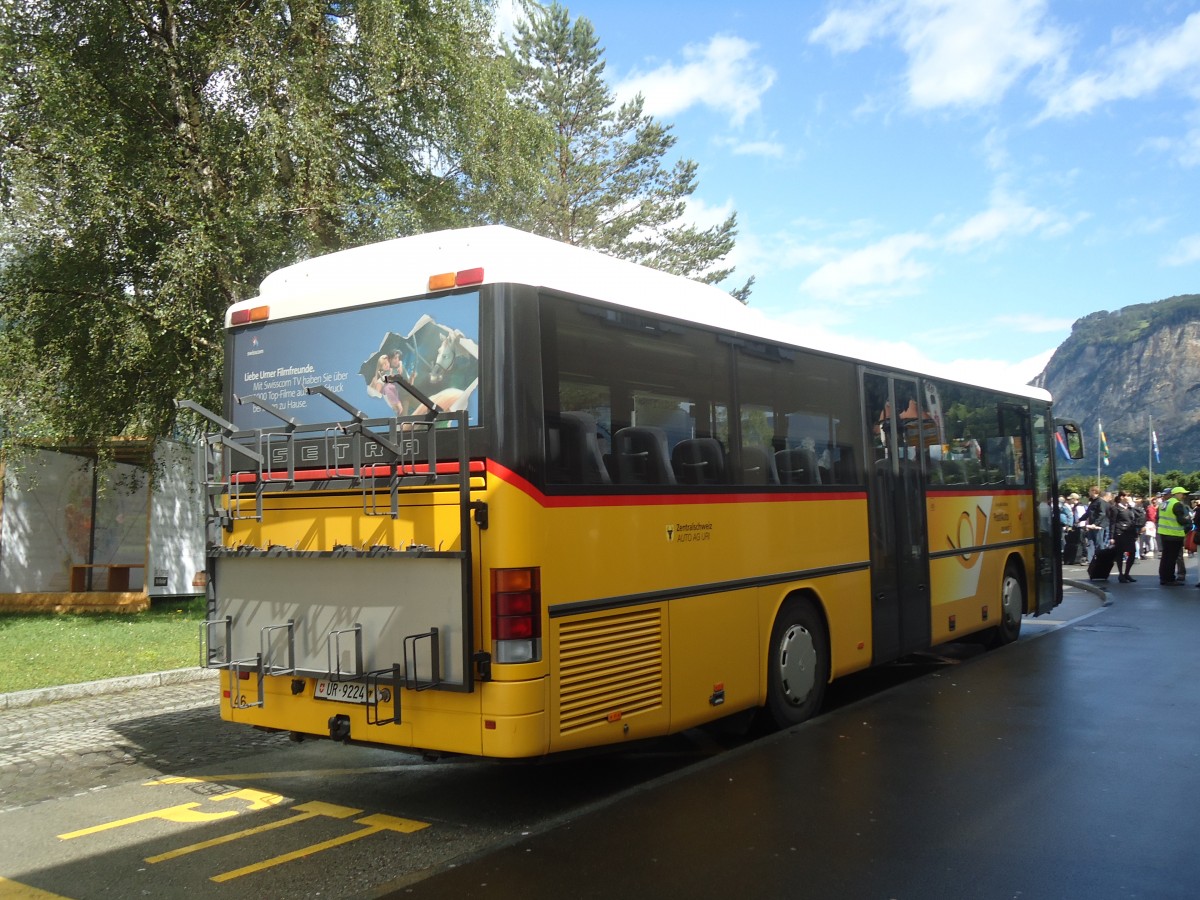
column 607, row 186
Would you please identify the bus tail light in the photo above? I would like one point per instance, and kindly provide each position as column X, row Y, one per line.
column 517, row 615
column 462, row 278
column 246, row 316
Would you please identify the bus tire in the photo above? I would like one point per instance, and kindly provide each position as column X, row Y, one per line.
column 1012, row 607
column 797, row 664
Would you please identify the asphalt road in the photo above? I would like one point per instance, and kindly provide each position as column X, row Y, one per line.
column 1064, row 766
column 147, row 792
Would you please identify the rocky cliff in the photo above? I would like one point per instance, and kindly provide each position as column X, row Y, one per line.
column 1129, row 367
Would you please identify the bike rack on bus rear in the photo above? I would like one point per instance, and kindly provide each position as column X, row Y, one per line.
column 227, row 484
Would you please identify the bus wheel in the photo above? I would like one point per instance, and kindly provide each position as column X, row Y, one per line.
column 1012, row 608
column 798, row 665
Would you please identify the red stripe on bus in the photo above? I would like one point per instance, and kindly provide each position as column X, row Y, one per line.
column 560, row 502
column 978, row 490
column 476, row 467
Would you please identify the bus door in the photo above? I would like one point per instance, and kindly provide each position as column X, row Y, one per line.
column 1049, row 528
column 900, row 596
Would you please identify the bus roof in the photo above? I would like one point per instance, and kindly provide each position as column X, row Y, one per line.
column 402, row 267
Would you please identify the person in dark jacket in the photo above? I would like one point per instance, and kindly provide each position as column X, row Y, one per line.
column 1097, row 521
column 1125, row 523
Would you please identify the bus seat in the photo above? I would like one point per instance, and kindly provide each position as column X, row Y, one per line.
column 845, row 467
column 699, row 461
column 798, row 466
column 642, row 457
column 572, row 451
column 758, row 466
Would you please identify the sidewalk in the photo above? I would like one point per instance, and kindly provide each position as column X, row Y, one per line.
column 42, row 696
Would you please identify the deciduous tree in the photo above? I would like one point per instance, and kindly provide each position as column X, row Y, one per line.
column 159, row 157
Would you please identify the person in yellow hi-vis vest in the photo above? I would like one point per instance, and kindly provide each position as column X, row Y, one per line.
column 1174, row 521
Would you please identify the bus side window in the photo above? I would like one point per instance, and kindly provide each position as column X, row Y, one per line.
column 641, row 456
column 758, row 466
column 797, row 466
column 699, row 461
column 573, row 453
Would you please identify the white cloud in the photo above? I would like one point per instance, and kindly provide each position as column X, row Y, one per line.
column 721, row 74
column 837, row 328
column 1006, row 216
column 960, row 52
column 855, row 268
column 1033, row 323
column 1185, row 253
column 849, row 30
column 772, row 149
column 1185, row 149
column 885, row 266
column 970, row 52
column 1002, row 372
column 704, row 215
column 504, row 25
column 1135, row 69
column 1188, row 149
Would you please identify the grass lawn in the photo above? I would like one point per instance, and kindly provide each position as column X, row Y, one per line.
column 50, row 649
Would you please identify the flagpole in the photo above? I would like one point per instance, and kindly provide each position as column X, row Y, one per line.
column 1099, row 439
column 1150, row 460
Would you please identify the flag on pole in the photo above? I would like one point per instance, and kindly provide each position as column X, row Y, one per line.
column 1062, row 446
column 1154, row 444
column 1103, row 447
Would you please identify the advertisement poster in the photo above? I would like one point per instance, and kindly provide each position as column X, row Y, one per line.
column 433, row 344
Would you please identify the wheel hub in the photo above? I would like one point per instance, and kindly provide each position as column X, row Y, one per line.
column 797, row 664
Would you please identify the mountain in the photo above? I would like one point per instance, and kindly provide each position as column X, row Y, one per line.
column 1128, row 368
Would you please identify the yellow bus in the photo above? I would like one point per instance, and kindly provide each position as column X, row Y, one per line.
column 479, row 492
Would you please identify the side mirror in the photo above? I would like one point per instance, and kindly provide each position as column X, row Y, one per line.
column 1069, row 438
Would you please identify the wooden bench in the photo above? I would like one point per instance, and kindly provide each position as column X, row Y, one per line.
column 117, row 576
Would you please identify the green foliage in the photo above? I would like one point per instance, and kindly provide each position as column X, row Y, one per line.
column 44, row 649
column 1128, row 324
column 1077, row 484
column 158, row 159
column 1136, row 483
column 606, row 184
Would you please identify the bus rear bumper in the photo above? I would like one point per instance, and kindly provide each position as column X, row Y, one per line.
column 503, row 720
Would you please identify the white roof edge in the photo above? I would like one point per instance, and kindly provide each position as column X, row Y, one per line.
column 401, row 267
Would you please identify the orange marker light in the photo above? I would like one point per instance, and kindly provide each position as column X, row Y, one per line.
column 441, row 282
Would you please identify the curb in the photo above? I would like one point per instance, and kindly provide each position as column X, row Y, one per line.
column 41, row 696
column 1101, row 592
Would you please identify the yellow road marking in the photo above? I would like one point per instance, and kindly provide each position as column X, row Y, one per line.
column 14, row 890
column 260, row 776
column 375, row 824
column 307, row 811
column 186, row 813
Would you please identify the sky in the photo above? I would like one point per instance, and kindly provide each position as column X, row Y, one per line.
column 948, row 182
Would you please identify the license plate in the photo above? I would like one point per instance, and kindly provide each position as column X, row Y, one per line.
column 344, row 691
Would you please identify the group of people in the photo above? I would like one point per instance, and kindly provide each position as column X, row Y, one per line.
column 1134, row 527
